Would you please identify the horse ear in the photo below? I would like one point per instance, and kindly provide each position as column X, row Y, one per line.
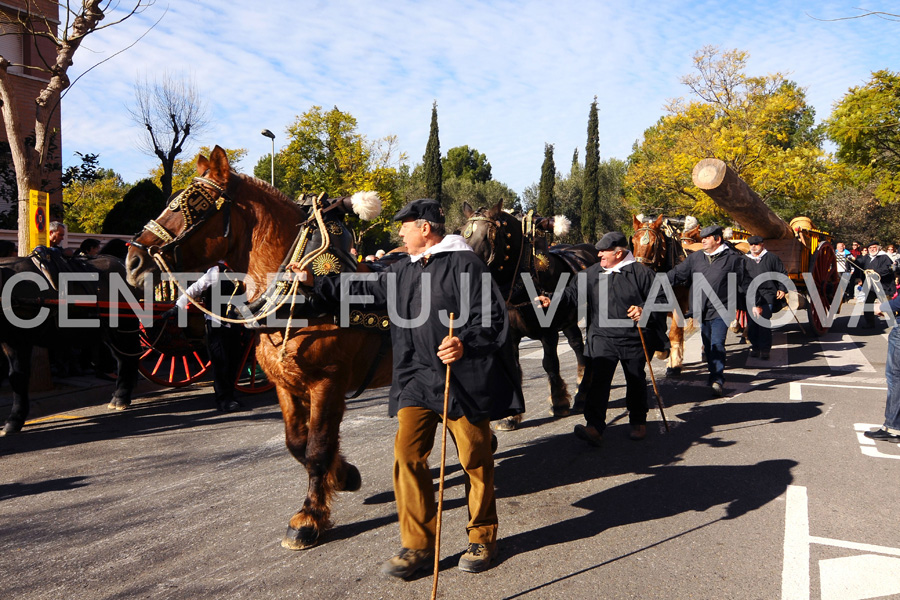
column 202, row 165
column 658, row 222
column 219, row 169
column 496, row 209
column 467, row 210
column 637, row 223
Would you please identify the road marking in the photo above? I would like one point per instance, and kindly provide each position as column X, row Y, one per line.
column 797, row 394
column 867, row 446
column 849, row 578
column 54, row 418
column 842, row 354
column 795, row 571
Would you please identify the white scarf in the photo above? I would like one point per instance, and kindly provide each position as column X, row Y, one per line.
column 629, row 258
column 450, row 243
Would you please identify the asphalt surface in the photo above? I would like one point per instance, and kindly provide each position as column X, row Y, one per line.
column 770, row 492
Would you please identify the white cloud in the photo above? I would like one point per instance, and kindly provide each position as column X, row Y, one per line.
column 507, row 76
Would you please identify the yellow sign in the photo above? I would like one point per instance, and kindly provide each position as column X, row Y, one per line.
column 38, row 218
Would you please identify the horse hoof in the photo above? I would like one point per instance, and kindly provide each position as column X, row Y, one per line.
column 118, row 404
column 11, row 427
column 577, row 407
column 493, row 443
column 558, row 412
column 300, row 539
column 352, row 480
column 673, row 371
column 507, row 424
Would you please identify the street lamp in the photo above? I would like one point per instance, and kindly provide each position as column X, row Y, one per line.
column 271, row 136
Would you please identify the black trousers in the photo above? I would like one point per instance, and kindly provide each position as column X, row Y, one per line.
column 225, row 345
column 602, row 371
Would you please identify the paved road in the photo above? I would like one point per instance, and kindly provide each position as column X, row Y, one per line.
column 768, row 493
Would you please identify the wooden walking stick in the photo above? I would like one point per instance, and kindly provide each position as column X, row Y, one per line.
column 440, row 506
column 653, row 378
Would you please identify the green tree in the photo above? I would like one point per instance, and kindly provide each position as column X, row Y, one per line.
column 762, row 127
column 590, row 191
column 89, row 193
column 141, row 203
column 545, row 200
column 865, row 125
column 467, row 163
column 433, row 165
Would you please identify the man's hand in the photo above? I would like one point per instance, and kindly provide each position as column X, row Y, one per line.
column 757, row 310
column 780, row 294
column 450, row 350
column 542, row 301
column 303, row 275
column 634, row 313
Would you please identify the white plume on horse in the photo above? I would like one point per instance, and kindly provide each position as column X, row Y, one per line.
column 561, row 225
column 690, row 222
column 367, row 205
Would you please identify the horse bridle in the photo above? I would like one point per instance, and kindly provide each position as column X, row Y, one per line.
column 197, row 203
column 495, row 226
column 658, row 246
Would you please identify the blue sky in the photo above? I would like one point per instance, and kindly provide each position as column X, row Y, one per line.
column 507, row 76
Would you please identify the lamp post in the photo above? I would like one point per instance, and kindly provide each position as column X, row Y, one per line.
column 271, row 136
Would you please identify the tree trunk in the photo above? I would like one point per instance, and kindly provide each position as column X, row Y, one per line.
column 735, row 197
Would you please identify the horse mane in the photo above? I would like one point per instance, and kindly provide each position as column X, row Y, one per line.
column 274, row 222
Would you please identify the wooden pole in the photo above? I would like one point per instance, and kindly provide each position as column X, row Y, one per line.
column 440, row 506
column 734, row 196
column 653, row 378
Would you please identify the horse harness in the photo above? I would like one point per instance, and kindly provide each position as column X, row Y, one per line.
column 197, row 203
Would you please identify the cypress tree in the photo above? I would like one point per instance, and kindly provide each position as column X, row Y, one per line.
column 434, row 173
column 545, row 201
column 590, row 194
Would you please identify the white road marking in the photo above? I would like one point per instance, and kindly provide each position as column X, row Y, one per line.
column 869, row 447
column 849, row 578
column 795, row 571
column 797, row 394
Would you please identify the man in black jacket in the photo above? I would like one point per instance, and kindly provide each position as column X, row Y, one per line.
column 878, row 267
column 718, row 279
column 617, row 288
column 440, row 276
column 760, row 262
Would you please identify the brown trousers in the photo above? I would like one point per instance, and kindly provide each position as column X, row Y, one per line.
column 414, row 486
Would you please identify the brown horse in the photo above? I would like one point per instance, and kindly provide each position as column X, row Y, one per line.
column 516, row 251
column 253, row 227
column 655, row 245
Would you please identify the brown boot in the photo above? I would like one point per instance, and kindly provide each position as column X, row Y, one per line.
column 477, row 557
column 407, row 563
column 638, row 432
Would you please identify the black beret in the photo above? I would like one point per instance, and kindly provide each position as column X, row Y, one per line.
column 613, row 239
column 873, row 243
column 711, row 230
column 755, row 239
column 423, row 208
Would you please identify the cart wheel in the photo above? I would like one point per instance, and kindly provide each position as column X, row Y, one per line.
column 826, row 277
column 251, row 378
column 171, row 360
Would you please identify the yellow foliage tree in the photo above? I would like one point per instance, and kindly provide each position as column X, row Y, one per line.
column 87, row 202
column 762, row 127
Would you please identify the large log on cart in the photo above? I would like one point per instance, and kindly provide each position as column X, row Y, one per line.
column 735, row 197
column 801, row 248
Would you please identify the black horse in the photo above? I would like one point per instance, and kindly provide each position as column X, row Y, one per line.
column 517, row 252
column 33, row 315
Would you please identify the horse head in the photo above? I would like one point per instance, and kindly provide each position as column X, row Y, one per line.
column 495, row 236
column 649, row 243
column 193, row 231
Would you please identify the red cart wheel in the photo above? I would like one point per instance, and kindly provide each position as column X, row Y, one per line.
column 826, row 277
column 171, row 359
column 251, row 378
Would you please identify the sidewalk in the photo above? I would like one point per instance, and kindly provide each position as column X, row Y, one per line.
column 69, row 393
